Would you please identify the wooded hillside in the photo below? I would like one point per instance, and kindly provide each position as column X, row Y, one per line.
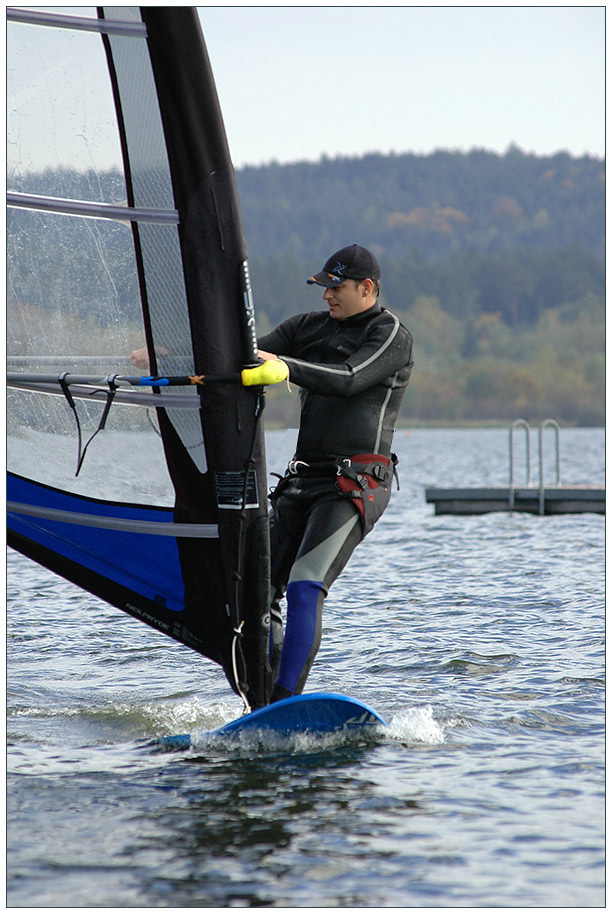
column 440, row 204
column 495, row 263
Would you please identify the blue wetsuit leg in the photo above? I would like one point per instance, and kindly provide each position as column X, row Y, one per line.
column 302, row 632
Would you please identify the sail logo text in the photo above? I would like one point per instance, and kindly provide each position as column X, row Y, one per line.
column 147, row 616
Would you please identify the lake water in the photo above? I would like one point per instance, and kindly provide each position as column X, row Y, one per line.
column 479, row 639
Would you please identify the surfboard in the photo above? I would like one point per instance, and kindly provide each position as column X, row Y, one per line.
column 310, row 713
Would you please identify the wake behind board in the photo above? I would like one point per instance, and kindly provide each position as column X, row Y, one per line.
column 313, row 713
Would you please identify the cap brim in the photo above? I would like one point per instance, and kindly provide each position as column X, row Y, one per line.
column 326, row 279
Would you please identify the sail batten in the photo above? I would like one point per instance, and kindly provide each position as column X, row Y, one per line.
column 64, row 21
column 157, row 528
column 123, row 396
column 166, row 514
column 92, row 209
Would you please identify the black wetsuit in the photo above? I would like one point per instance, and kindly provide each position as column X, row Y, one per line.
column 352, row 376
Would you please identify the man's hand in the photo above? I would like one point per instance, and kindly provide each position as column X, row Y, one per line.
column 140, row 357
column 267, row 356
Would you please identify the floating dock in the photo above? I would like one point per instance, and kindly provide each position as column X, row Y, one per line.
column 539, row 500
column 549, row 501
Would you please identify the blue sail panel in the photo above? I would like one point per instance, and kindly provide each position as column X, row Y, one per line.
column 125, row 554
column 142, row 563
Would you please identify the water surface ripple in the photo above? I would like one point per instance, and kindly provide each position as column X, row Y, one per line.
column 479, row 639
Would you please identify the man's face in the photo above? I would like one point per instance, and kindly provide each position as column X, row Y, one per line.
column 345, row 300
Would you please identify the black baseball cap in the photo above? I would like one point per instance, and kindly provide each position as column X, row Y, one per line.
column 350, row 263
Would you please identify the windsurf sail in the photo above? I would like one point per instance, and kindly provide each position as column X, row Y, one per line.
column 125, row 234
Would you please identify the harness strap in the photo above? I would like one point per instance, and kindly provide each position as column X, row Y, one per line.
column 376, row 466
column 63, row 382
column 373, row 474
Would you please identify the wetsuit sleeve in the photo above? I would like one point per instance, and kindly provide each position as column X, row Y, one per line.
column 386, row 351
column 280, row 340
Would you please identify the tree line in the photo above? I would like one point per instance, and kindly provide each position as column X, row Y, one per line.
column 441, row 204
column 495, row 263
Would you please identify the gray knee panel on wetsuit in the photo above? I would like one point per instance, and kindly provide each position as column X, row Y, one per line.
column 316, row 564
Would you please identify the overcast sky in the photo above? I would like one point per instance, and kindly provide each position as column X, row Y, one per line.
column 299, row 82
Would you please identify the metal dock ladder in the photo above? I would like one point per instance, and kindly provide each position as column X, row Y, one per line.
column 522, row 424
column 544, row 499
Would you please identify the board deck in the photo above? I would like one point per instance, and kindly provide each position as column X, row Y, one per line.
column 315, row 713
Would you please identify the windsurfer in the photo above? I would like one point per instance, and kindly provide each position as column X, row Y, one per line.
column 352, row 364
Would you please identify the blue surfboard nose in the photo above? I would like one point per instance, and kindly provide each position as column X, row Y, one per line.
column 309, row 712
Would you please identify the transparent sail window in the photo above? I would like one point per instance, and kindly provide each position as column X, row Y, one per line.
column 72, row 282
column 61, row 121
column 72, row 290
column 42, row 444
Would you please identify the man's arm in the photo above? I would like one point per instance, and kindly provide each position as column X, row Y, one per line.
column 387, row 351
column 280, row 341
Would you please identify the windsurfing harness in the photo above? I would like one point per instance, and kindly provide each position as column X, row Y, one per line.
column 366, row 480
